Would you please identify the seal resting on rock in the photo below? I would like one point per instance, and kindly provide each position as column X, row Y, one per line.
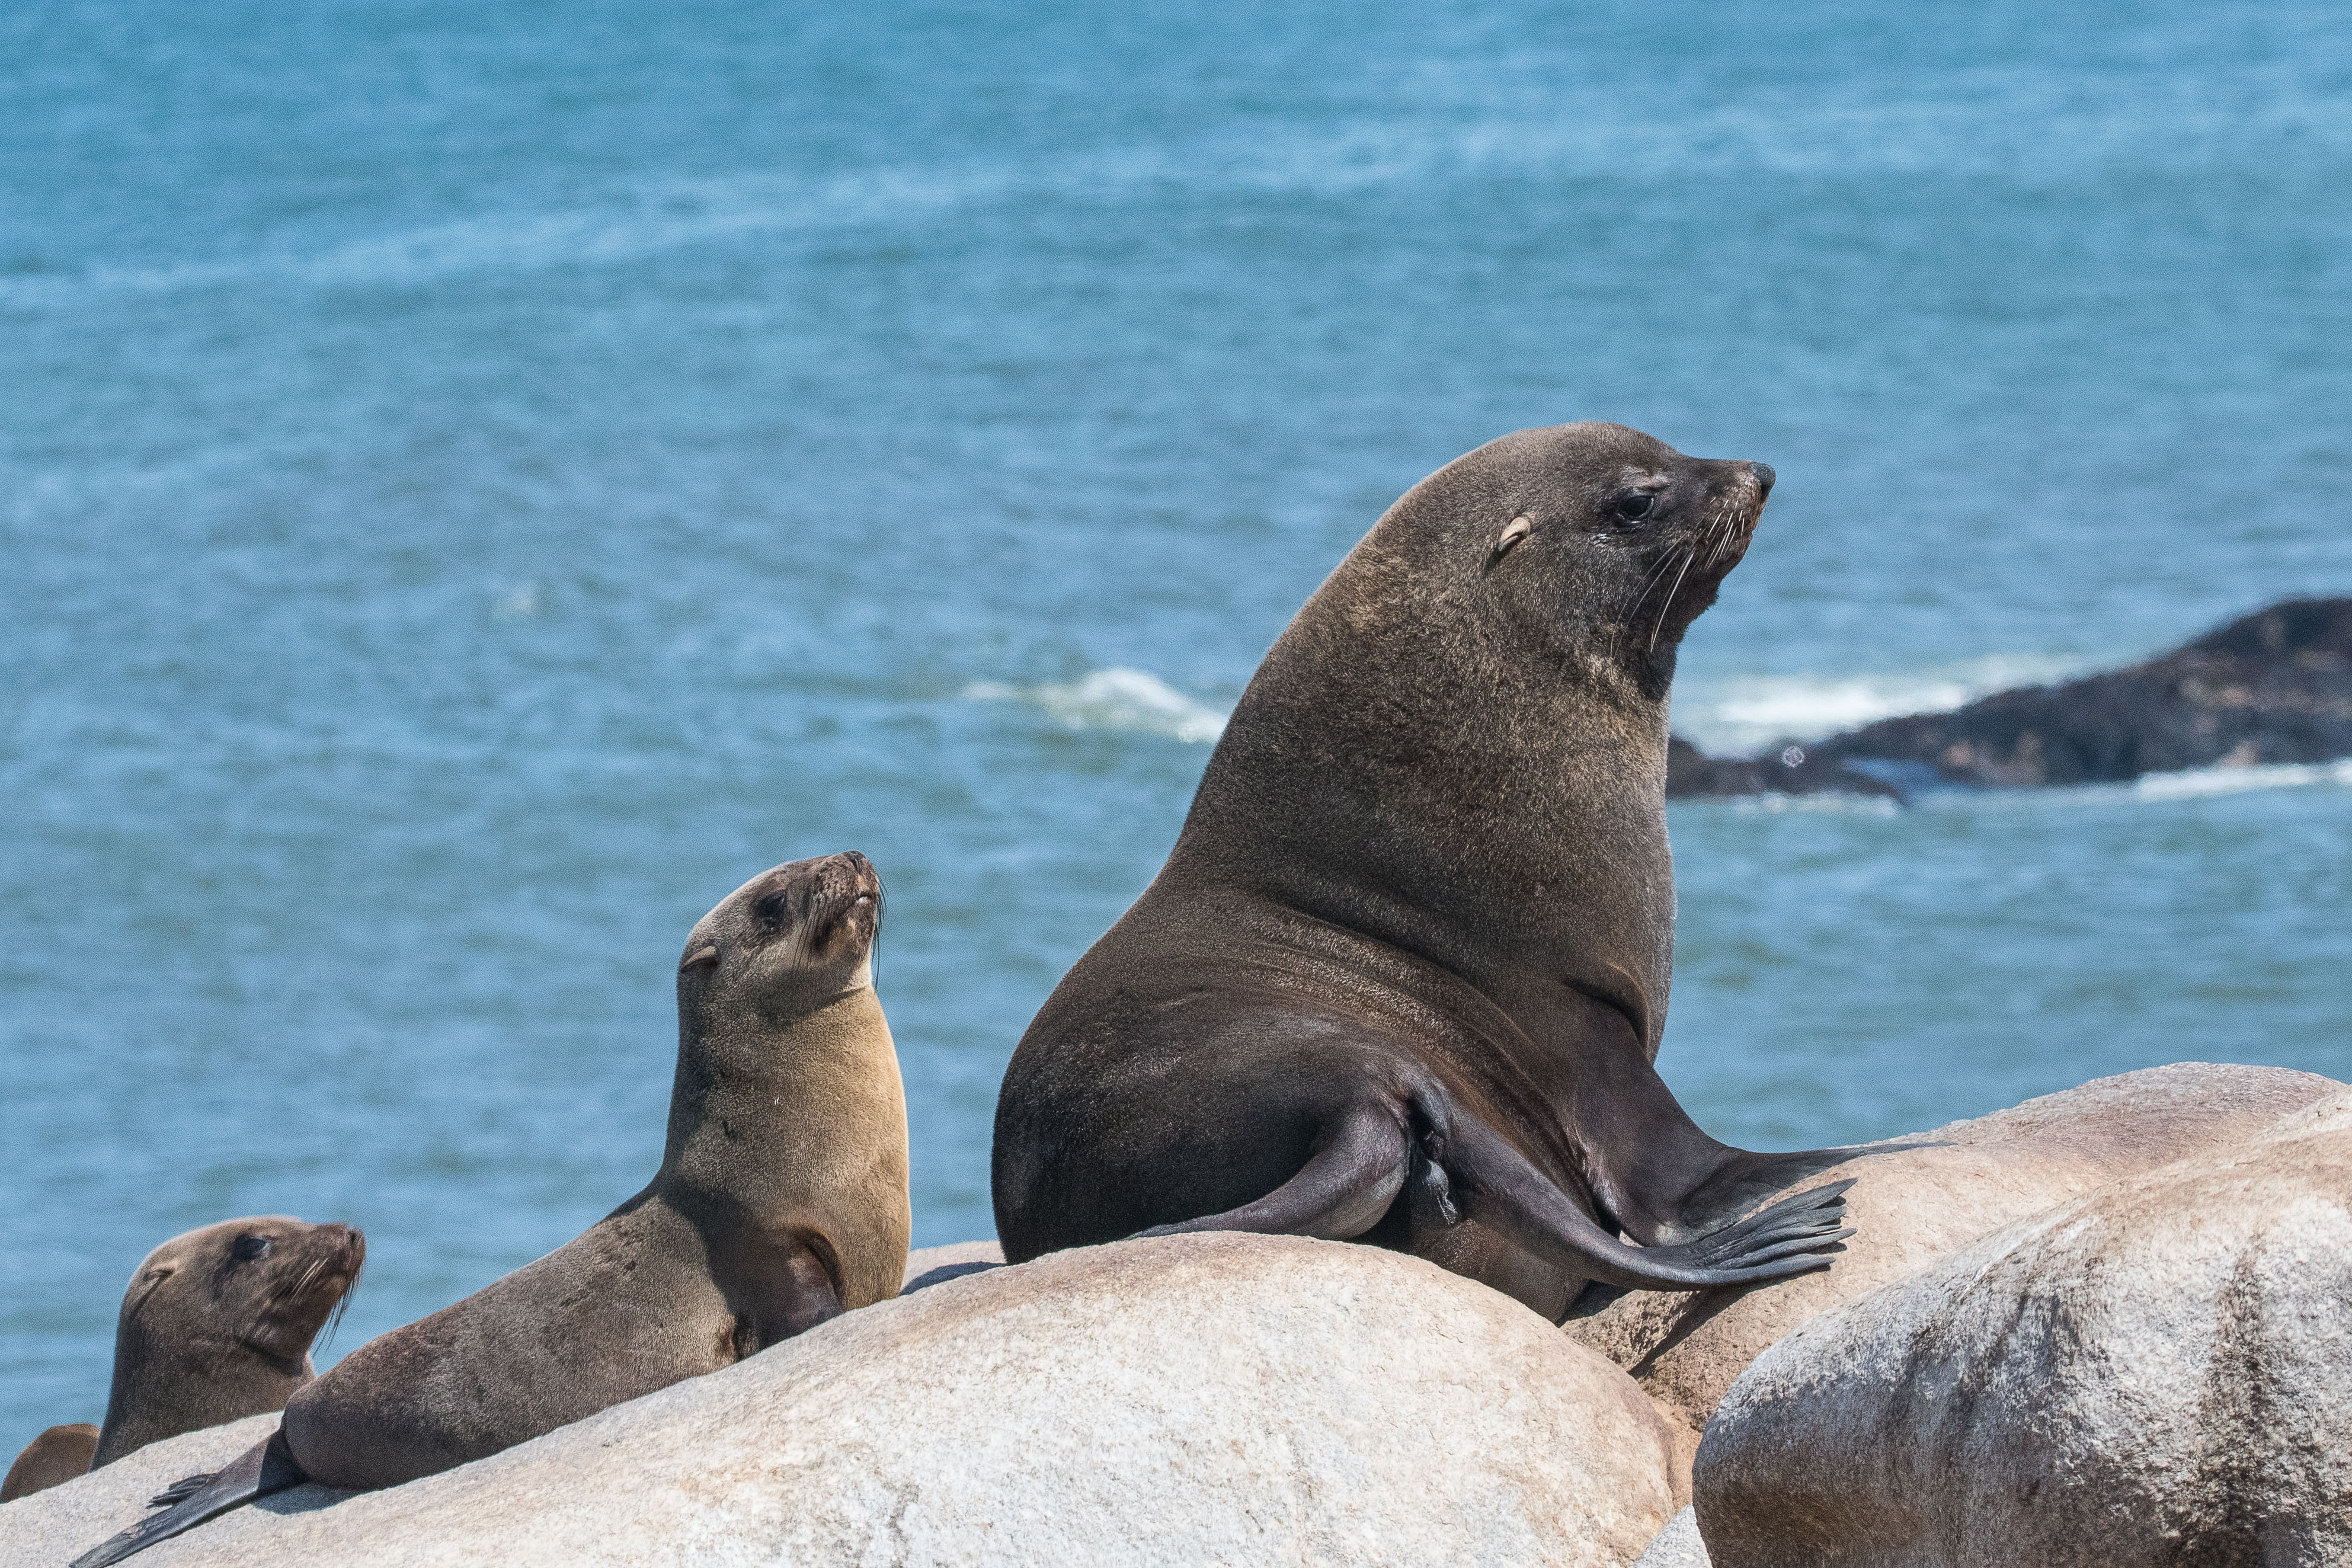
column 781, row 1202
column 217, row 1325
column 1404, row 977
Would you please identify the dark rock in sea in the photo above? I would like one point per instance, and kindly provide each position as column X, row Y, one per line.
column 2275, row 687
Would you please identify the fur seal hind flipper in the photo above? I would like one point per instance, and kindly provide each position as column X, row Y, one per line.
column 1494, row 1183
column 1465, row 1168
column 261, row 1469
column 1340, row 1192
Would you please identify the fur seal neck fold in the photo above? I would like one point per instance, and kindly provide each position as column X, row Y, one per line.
column 1404, row 975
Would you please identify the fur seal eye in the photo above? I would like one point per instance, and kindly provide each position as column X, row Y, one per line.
column 709, row 954
column 1635, row 507
column 249, row 1247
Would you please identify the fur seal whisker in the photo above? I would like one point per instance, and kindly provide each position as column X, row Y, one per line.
column 1649, row 581
column 1666, row 605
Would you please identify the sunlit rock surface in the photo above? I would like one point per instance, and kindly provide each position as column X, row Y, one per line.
column 1910, row 1209
column 2159, row 1373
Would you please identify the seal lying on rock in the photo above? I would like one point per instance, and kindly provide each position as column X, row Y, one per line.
column 216, row 1324
column 1404, row 977
column 781, row 1202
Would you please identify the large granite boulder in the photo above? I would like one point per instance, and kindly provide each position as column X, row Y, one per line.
column 1912, row 1208
column 1194, row 1399
column 2159, row 1373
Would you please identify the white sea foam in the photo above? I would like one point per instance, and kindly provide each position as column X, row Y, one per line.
column 2234, row 781
column 1735, row 717
column 1115, row 698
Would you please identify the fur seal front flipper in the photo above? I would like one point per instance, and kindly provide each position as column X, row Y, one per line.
column 1403, row 977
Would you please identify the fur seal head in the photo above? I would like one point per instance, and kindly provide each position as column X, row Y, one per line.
column 786, row 941
column 217, row 1324
column 1596, row 539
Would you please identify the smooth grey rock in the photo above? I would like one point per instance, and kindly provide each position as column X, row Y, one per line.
column 1677, row 1546
column 1193, row 1399
column 2157, row 1373
column 1914, row 1208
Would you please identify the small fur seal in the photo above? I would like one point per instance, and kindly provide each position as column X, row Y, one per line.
column 1402, row 978
column 217, row 1326
column 781, row 1201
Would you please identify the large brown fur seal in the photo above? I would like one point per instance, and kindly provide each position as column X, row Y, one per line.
column 1402, row 978
column 781, row 1202
column 215, row 1326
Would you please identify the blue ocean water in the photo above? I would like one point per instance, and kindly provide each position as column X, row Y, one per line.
column 480, row 480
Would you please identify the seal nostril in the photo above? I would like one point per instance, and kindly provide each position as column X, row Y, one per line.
column 1763, row 472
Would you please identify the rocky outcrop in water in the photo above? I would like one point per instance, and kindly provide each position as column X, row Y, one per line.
column 2275, row 687
column 2159, row 1373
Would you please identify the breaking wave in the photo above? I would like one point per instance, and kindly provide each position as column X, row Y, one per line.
column 1115, row 698
column 1739, row 716
column 2201, row 781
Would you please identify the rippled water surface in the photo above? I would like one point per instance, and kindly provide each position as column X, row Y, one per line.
column 480, row 480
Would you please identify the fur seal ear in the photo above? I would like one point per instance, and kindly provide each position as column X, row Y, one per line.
column 1518, row 529
column 146, row 1284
